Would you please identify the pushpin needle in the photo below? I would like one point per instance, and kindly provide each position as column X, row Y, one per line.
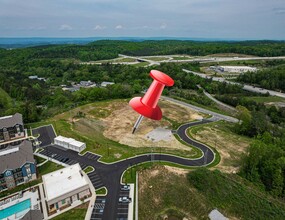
column 140, row 118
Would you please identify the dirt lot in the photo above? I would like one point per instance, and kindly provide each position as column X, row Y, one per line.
column 115, row 120
column 119, row 125
column 230, row 145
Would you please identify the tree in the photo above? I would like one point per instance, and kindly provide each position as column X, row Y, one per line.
column 245, row 118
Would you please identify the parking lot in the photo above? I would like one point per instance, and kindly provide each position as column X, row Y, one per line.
column 95, row 179
column 123, row 208
column 46, row 135
column 99, row 206
column 63, row 155
column 91, row 156
column 61, row 158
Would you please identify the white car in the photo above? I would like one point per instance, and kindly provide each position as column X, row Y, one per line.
column 125, row 199
column 125, row 187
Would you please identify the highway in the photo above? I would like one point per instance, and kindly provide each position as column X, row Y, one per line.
column 245, row 87
column 200, row 59
column 216, row 115
column 230, row 108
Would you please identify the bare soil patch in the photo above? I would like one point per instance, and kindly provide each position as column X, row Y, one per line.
column 120, row 122
column 229, row 145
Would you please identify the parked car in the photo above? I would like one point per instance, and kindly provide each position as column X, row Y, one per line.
column 125, row 199
column 125, row 187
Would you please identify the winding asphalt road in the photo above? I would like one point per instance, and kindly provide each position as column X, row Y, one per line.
column 110, row 174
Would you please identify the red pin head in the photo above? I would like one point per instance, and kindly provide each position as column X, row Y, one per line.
column 147, row 106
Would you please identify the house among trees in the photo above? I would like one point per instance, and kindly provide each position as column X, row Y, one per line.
column 17, row 163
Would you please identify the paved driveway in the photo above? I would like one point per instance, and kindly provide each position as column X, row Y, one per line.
column 109, row 175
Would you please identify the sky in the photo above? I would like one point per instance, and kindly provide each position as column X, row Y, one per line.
column 223, row 19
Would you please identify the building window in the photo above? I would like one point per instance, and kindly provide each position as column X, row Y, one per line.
column 8, row 173
column 28, row 169
column 18, row 129
column 63, row 201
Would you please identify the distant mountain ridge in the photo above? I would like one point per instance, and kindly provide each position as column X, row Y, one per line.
column 38, row 41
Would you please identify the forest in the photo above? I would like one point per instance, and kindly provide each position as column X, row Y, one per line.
column 108, row 49
column 270, row 78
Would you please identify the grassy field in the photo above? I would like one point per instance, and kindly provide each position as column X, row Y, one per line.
column 214, row 107
column 256, row 63
column 48, row 167
column 39, row 159
column 127, row 59
column 230, row 194
column 182, row 58
column 266, row 99
column 77, row 213
column 141, row 64
column 156, row 58
column 221, row 136
column 194, row 195
column 20, row 188
column 90, row 130
column 175, row 198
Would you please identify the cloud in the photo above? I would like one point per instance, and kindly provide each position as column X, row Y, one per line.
column 99, row 27
column 39, row 28
column 163, row 26
column 279, row 11
column 119, row 27
column 65, row 27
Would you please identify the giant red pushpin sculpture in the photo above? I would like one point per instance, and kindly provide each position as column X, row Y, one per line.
column 147, row 106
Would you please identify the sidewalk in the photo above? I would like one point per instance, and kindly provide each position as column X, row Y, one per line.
column 131, row 204
column 44, row 207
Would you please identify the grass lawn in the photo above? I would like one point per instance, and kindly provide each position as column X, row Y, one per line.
column 48, row 167
column 156, row 58
column 88, row 169
column 141, row 64
column 77, row 213
column 39, row 159
column 102, row 191
column 182, row 58
column 20, row 188
column 127, row 59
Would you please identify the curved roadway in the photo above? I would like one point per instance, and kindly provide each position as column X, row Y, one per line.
column 110, row 174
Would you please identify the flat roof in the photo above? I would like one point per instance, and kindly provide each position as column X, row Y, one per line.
column 77, row 143
column 63, row 181
column 244, row 67
column 69, row 140
column 65, row 139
